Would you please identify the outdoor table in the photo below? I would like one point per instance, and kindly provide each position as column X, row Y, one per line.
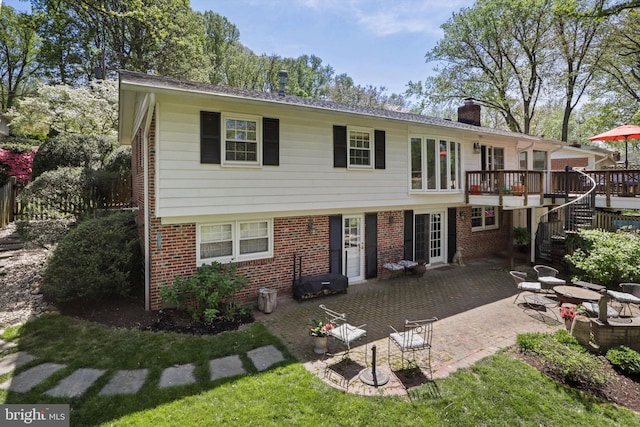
column 575, row 295
column 550, row 281
column 589, row 285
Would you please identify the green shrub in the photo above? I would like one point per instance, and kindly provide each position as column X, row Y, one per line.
column 119, row 161
column 86, row 151
column 43, row 233
column 625, row 359
column 61, row 191
column 207, row 294
column 566, row 358
column 100, row 257
column 606, row 258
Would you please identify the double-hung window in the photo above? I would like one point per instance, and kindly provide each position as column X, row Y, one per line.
column 241, row 140
column 484, row 217
column 235, row 241
column 539, row 160
column 360, row 148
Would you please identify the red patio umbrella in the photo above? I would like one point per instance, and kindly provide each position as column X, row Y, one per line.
column 620, row 133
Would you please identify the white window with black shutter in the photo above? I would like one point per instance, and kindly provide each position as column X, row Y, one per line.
column 239, row 139
column 358, row 147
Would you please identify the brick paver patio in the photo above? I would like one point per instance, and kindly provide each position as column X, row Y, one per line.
column 474, row 305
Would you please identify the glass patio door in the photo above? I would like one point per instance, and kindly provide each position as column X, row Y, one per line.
column 353, row 247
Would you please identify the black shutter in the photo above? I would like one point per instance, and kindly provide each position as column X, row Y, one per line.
column 270, row 142
column 339, row 146
column 408, row 235
column 335, row 244
column 209, row 137
column 421, row 237
column 452, row 244
column 371, row 245
column 380, row 148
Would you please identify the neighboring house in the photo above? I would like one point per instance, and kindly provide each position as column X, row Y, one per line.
column 230, row 175
column 582, row 156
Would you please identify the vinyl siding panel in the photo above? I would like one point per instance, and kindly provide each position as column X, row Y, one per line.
column 305, row 180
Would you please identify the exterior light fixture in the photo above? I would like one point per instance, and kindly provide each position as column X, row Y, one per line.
column 312, row 227
column 476, row 147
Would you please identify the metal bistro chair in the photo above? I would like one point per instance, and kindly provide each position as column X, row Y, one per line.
column 520, row 277
column 535, row 299
column 344, row 332
column 547, row 276
column 416, row 336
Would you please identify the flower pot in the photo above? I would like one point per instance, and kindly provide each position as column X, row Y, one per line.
column 320, row 345
column 581, row 329
column 475, row 189
column 518, row 190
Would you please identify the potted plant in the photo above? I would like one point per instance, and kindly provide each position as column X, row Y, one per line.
column 521, row 237
column 319, row 330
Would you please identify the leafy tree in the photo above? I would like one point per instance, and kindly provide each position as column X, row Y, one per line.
column 495, row 53
column 85, row 151
column 579, row 44
column 66, row 56
column 621, row 61
column 604, row 8
column 63, row 109
column 18, row 49
column 163, row 36
column 220, row 36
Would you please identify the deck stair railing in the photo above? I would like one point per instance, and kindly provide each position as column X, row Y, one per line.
column 575, row 214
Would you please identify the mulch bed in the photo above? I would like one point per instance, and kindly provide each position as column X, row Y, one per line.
column 619, row 388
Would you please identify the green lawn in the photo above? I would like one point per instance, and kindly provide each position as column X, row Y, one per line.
column 497, row 391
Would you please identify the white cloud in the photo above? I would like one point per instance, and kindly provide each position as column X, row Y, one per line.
column 384, row 17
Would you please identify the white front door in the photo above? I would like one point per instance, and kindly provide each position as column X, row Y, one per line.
column 352, row 241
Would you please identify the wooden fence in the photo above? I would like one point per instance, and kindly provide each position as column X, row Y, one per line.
column 111, row 196
column 610, row 221
column 7, row 202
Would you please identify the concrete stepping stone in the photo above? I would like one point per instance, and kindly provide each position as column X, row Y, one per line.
column 13, row 361
column 30, row 378
column 225, row 367
column 177, row 375
column 264, row 357
column 125, row 382
column 7, row 345
column 76, row 383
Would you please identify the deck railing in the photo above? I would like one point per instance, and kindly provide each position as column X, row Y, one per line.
column 505, row 183
column 609, row 183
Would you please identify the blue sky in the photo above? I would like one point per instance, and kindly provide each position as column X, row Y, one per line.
column 376, row 42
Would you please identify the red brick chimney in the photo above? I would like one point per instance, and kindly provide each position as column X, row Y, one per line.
column 469, row 113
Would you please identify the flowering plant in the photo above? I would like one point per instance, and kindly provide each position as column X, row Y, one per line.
column 319, row 328
column 570, row 312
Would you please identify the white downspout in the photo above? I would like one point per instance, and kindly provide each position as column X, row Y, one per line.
column 147, row 262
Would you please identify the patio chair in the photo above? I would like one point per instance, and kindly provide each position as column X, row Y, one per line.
column 416, row 337
column 625, row 299
column 343, row 332
column 520, row 277
column 547, row 276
